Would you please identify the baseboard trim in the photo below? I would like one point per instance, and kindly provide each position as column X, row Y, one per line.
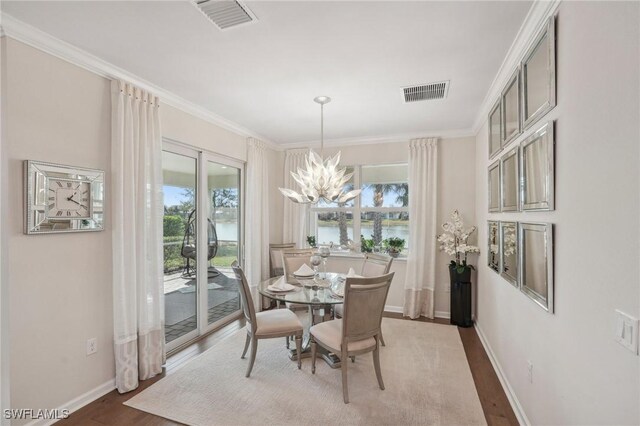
column 508, row 390
column 79, row 402
column 400, row 310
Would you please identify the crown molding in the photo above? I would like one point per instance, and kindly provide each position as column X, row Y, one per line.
column 34, row 37
column 375, row 140
column 534, row 21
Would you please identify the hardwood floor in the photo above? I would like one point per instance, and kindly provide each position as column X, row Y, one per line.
column 109, row 409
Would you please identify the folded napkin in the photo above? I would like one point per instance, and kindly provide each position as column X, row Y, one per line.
column 280, row 284
column 304, row 271
column 352, row 274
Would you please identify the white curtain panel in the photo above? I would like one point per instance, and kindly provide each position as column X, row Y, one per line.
column 136, row 220
column 421, row 262
column 257, row 217
column 295, row 215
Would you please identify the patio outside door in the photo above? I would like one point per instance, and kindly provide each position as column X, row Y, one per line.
column 202, row 197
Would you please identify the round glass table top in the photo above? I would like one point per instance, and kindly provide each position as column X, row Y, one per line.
column 308, row 292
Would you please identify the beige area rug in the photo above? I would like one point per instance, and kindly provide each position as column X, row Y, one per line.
column 424, row 367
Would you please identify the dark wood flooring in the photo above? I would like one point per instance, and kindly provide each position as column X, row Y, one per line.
column 109, row 409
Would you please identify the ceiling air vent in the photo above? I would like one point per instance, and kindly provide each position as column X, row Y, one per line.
column 425, row 92
column 226, row 14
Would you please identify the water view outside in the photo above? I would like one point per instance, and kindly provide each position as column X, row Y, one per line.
column 331, row 232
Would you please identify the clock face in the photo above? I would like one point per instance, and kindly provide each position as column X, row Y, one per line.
column 68, row 199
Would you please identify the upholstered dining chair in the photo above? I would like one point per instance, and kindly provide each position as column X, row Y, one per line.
column 266, row 324
column 292, row 260
column 358, row 331
column 374, row 265
column 275, row 258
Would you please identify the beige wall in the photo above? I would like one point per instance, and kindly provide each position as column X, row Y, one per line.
column 4, row 282
column 580, row 374
column 456, row 174
column 60, row 285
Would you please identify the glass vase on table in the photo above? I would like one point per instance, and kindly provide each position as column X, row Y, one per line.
column 324, row 252
column 315, row 261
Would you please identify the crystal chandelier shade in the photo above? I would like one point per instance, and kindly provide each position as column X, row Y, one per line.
column 321, row 178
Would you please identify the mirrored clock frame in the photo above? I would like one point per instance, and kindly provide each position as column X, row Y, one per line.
column 38, row 200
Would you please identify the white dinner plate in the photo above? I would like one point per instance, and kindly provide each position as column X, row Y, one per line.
column 282, row 288
column 304, row 276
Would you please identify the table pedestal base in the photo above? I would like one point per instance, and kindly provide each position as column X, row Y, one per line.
column 329, row 357
column 317, row 313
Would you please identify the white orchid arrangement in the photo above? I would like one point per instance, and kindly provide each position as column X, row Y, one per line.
column 453, row 241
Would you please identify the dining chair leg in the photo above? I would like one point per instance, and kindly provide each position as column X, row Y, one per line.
column 376, row 365
column 343, row 367
column 299, row 350
column 313, row 355
column 353, row 359
column 254, row 347
column 246, row 346
column 382, row 339
column 287, row 342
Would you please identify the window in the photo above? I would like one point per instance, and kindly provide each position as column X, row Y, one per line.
column 379, row 214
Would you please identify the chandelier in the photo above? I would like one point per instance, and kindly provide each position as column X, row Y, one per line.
column 321, row 178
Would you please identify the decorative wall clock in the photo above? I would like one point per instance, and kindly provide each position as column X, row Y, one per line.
column 62, row 198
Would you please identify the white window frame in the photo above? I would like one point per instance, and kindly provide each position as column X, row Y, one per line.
column 356, row 209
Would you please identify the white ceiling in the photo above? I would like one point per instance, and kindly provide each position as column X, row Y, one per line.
column 264, row 76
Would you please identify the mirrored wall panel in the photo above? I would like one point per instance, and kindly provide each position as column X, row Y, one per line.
column 494, row 187
column 493, row 246
column 510, row 184
column 511, row 109
column 509, row 251
column 538, row 76
column 536, row 160
column 536, row 262
column 495, row 124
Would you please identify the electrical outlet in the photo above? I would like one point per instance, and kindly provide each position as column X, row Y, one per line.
column 530, row 371
column 626, row 332
column 92, row 346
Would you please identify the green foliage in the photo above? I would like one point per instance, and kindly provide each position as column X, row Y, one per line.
column 366, row 245
column 461, row 267
column 311, row 240
column 394, row 244
column 225, row 197
column 173, row 225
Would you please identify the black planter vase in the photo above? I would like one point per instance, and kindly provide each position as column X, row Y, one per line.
column 463, row 277
column 460, row 296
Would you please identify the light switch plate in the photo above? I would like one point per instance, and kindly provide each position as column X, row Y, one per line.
column 627, row 331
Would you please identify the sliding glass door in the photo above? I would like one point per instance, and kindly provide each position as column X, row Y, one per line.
column 202, row 197
column 223, row 198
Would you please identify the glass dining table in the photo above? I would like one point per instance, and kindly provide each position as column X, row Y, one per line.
column 319, row 296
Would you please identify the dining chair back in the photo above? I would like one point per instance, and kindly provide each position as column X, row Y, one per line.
column 364, row 300
column 266, row 324
column 376, row 264
column 275, row 257
column 359, row 331
column 292, row 260
column 248, row 307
